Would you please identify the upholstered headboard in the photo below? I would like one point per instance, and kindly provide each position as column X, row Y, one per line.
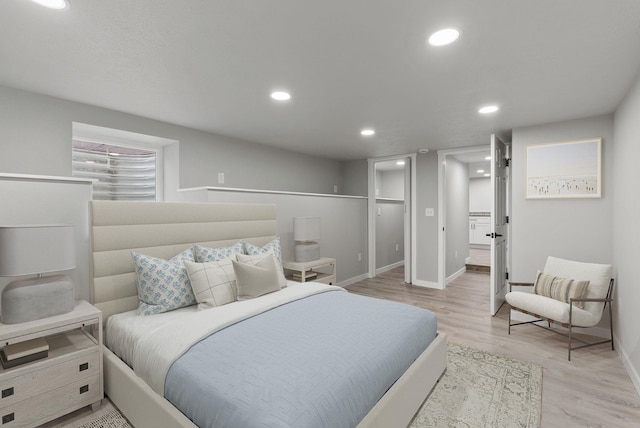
column 162, row 229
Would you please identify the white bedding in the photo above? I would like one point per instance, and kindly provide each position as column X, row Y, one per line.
column 150, row 344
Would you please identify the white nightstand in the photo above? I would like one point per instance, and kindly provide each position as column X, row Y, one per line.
column 69, row 378
column 324, row 269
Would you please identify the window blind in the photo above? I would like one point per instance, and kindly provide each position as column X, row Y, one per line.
column 119, row 173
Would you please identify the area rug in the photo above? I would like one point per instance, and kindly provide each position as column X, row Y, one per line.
column 480, row 389
column 113, row 419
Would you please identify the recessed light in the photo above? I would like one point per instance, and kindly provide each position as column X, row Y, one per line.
column 487, row 158
column 281, row 96
column 400, row 163
column 488, row 109
column 423, row 151
column 480, row 171
column 53, row 4
column 367, row 132
column 443, row 37
column 487, row 175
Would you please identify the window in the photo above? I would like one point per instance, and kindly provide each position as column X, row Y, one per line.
column 120, row 173
column 124, row 165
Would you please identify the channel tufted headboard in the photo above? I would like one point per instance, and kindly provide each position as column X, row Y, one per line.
column 162, row 229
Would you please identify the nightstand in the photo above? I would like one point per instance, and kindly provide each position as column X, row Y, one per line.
column 69, row 378
column 321, row 270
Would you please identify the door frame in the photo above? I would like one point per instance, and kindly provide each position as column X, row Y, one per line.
column 410, row 212
column 442, row 159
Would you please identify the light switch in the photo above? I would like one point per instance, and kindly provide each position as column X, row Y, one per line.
column 221, row 178
column 429, row 212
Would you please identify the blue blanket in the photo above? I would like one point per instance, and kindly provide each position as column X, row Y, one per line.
column 321, row 361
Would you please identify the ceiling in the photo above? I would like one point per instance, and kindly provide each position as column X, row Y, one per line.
column 211, row 65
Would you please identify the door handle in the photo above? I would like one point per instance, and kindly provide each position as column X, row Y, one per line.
column 493, row 235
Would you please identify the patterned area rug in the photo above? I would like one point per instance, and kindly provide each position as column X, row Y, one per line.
column 113, row 419
column 480, row 389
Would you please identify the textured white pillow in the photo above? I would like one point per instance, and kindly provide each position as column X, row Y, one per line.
column 206, row 254
column 163, row 285
column 255, row 280
column 254, row 259
column 213, row 283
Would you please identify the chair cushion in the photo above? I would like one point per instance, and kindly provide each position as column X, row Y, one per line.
column 598, row 275
column 562, row 289
column 551, row 308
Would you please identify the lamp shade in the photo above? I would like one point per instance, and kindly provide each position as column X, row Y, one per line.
column 306, row 228
column 28, row 250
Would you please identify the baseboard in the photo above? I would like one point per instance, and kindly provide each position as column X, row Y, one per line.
column 389, row 267
column 455, row 275
column 353, row 280
column 626, row 362
column 426, row 284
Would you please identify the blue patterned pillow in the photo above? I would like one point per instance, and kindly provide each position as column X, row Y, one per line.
column 274, row 246
column 163, row 285
column 205, row 254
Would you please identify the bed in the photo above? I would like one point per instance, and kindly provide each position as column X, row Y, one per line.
column 164, row 230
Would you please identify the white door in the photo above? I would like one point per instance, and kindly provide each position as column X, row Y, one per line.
column 498, row 232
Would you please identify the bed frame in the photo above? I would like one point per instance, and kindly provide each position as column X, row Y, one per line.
column 163, row 229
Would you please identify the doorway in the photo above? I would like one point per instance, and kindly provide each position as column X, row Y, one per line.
column 391, row 215
column 468, row 219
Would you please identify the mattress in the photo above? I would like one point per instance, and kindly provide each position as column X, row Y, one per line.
column 320, row 359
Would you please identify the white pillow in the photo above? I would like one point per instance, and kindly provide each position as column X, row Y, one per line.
column 257, row 280
column 255, row 259
column 213, row 283
column 163, row 285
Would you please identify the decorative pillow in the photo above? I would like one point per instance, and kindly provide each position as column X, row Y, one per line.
column 163, row 285
column 256, row 280
column 273, row 246
column 206, row 254
column 561, row 289
column 255, row 259
column 213, row 283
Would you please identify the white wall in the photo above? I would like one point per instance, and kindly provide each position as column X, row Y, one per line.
column 36, row 139
column 389, row 234
column 577, row 229
column 457, row 215
column 343, row 225
column 480, row 194
column 426, row 234
column 626, row 233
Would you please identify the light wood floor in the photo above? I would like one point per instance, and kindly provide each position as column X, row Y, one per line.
column 592, row 390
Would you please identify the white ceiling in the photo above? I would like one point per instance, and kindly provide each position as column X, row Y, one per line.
column 210, row 65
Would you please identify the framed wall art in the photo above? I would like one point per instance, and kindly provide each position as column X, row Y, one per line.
column 567, row 169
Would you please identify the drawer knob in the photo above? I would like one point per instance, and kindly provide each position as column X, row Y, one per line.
column 84, row 389
column 8, row 418
column 83, row 367
column 7, row 392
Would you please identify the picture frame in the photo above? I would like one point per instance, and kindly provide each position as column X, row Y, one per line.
column 566, row 169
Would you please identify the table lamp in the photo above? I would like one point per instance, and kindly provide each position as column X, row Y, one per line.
column 36, row 250
column 306, row 233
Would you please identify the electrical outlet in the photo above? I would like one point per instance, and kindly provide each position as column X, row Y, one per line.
column 379, row 211
column 359, row 257
column 221, row 178
column 335, row 188
column 429, row 212
column 397, row 247
column 456, row 253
